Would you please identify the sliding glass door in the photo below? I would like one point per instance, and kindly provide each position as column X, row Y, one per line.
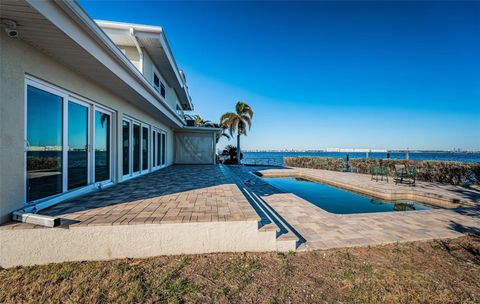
column 136, row 148
column 156, row 149
column 44, row 144
column 126, row 147
column 60, row 131
column 102, row 146
column 78, row 154
column 145, row 149
column 164, row 148
column 142, row 147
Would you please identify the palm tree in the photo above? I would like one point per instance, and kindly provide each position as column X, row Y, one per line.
column 238, row 122
column 200, row 122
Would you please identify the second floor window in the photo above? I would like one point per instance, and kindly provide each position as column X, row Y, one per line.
column 162, row 89
column 156, row 82
column 159, row 86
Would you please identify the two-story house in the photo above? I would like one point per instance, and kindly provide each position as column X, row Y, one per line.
column 86, row 104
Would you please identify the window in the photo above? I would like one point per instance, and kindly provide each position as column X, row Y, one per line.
column 162, row 90
column 158, row 85
column 156, row 82
column 61, row 129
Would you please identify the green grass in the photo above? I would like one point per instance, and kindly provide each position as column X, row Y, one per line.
column 422, row 272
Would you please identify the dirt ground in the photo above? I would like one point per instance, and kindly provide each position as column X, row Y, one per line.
column 420, row 272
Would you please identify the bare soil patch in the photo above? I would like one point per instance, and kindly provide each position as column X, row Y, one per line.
column 421, row 272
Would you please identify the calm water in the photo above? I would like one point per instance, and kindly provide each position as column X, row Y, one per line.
column 339, row 201
column 276, row 158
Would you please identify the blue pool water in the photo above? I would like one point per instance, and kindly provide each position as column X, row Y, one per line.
column 340, row 201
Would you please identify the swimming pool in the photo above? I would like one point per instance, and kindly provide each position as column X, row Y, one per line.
column 340, row 201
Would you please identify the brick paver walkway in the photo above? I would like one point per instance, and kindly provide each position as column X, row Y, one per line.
column 323, row 230
column 177, row 194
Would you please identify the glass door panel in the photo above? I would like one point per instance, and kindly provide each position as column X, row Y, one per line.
column 126, row 147
column 154, row 148
column 164, row 149
column 102, row 146
column 136, row 148
column 159, row 149
column 44, row 144
column 77, row 145
column 144, row 148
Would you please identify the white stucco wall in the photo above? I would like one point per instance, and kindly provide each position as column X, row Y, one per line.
column 19, row 59
column 54, row 245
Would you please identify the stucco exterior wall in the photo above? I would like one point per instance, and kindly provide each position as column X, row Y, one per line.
column 55, row 245
column 19, row 59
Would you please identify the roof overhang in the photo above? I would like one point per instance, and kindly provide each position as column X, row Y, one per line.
column 65, row 32
column 152, row 39
column 203, row 130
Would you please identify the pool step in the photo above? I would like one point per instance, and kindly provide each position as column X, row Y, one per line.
column 285, row 238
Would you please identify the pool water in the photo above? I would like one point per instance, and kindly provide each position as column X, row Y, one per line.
column 335, row 200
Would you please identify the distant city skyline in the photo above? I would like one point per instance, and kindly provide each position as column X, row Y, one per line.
column 393, row 75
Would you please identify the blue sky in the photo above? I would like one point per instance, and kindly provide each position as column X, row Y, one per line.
column 328, row 74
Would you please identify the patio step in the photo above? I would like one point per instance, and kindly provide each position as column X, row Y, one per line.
column 285, row 238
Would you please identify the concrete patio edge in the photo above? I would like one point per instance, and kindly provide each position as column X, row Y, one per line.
column 54, row 245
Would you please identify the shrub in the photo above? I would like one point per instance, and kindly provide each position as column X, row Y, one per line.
column 35, row 163
column 324, row 163
column 231, row 152
column 446, row 172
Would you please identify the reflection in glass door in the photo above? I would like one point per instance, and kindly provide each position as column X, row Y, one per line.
column 126, row 147
column 61, row 130
column 102, row 146
column 144, row 148
column 77, row 145
column 136, row 148
column 159, row 150
column 164, row 148
column 44, row 144
column 156, row 150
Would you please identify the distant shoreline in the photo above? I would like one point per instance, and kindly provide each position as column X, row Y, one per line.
column 373, row 151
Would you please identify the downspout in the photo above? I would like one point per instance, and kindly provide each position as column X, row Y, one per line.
column 139, row 49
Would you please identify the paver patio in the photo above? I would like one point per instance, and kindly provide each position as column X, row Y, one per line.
column 186, row 194
column 177, row 194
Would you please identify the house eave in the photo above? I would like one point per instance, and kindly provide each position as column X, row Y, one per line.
column 72, row 25
column 187, row 129
column 153, row 39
